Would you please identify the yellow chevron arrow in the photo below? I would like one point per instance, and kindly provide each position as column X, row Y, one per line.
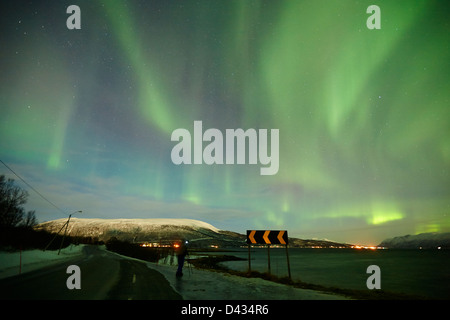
column 280, row 237
column 266, row 236
column 251, row 236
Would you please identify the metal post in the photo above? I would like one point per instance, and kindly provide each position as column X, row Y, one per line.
column 20, row 261
column 268, row 256
column 288, row 264
column 249, row 260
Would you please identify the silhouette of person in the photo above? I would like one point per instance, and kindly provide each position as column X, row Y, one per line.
column 181, row 251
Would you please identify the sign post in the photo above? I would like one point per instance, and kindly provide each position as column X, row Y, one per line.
column 268, row 237
column 288, row 264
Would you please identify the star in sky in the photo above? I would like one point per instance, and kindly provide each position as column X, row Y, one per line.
column 87, row 115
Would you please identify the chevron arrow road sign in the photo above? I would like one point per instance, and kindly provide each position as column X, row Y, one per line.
column 267, row 237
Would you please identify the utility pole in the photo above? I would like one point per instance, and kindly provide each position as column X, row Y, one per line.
column 66, row 224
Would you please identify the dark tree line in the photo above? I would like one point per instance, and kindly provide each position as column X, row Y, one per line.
column 16, row 225
column 12, row 199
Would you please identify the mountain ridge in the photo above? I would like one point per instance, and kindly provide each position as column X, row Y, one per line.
column 199, row 233
column 419, row 241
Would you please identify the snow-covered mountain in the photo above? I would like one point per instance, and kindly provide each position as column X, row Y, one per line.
column 423, row 240
column 127, row 224
column 143, row 230
column 199, row 233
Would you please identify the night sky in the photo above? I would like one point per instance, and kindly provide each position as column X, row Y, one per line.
column 86, row 116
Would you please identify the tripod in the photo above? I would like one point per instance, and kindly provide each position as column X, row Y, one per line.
column 189, row 264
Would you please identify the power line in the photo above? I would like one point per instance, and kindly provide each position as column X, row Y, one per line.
column 32, row 187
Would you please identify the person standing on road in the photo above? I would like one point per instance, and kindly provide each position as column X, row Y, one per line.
column 181, row 251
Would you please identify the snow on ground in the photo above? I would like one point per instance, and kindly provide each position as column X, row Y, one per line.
column 33, row 259
column 198, row 284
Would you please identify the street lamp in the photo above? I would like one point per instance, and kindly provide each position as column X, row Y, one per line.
column 66, row 224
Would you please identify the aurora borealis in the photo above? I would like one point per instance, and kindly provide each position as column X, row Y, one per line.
column 363, row 115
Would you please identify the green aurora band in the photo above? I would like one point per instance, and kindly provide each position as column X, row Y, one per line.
column 363, row 114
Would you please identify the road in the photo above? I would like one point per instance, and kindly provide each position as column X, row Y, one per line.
column 104, row 275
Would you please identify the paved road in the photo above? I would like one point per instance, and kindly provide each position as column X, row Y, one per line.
column 104, row 275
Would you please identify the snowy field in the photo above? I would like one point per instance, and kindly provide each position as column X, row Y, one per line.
column 34, row 259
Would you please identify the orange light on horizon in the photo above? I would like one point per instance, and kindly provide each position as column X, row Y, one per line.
column 366, row 247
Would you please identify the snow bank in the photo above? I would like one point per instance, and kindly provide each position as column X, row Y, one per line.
column 34, row 259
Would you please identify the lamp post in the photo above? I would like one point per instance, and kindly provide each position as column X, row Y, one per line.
column 66, row 224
